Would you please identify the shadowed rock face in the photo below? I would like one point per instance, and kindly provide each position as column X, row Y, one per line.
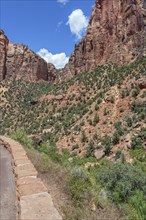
column 3, row 51
column 116, row 33
column 18, row 61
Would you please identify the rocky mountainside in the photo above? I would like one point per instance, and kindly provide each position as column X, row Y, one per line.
column 18, row 61
column 116, row 33
column 82, row 113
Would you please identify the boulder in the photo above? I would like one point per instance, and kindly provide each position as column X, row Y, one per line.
column 99, row 154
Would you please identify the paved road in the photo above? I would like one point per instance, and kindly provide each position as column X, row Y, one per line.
column 7, row 187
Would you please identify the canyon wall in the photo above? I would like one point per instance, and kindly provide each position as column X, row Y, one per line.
column 19, row 62
column 116, row 33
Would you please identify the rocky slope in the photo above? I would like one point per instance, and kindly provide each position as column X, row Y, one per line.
column 82, row 111
column 18, row 61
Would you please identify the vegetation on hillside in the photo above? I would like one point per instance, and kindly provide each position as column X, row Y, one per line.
column 105, row 189
column 92, row 131
column 84, row 110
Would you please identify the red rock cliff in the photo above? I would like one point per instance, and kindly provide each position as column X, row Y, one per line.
column 18, row 61
column 3, row 53
column 116, row 33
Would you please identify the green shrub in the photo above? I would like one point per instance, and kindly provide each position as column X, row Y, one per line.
column 136, row 91
column 90, row 149
column 138, row 201
column 21, row 136
column 75, row 146
column 121, row 110
column 106, row 112
column 96, row 119
column 118, row 127
column 129, row 121
column 121, row 181
column 82, row 123
column 78, row 185
column 116, row 138
column 84, row 137
column 136, row 143
column 118, row 154
column 106, row 141
column 96, row 107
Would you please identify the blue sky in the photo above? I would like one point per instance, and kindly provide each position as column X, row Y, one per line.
column 50, row 27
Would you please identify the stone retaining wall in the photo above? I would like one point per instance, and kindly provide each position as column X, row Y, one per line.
column 32, row 198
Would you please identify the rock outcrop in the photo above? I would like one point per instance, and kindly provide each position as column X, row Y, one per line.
column 18, row 61
column 115, row 33
column 3, row 51
column 21, row 62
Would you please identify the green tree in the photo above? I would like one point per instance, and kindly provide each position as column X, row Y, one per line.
column 107, row 144
column 84, row 137
column 95, row 120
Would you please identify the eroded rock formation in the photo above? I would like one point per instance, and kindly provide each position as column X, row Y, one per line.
column 115, row 33
column 18, row 61
column 3, row 51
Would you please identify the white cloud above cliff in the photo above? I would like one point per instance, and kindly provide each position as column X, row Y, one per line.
column 59, row 60
column 78, row 23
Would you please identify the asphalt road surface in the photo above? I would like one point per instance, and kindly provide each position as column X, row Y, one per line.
column 7, row 187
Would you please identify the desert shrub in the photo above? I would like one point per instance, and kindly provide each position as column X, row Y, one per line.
column 96, row 119
column 78, row 185
column 136, row 91
column 84, row 137
column 77, row 128
column 136, row 143
column 129, row 121
column 90, row 149
column 75, row 146
column 21, row 136
column 112, row 100
column 106, row 112
column 138, row 202
column 118, row 154
column 116, row 138
column 122, row 180
column 96, row 107
column 118, row 127
column 142, row 134
column 95, row 136
column 106, row 141
column 82, row 123
column 121, row 110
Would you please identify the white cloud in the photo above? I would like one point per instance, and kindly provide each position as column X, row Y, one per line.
column 78, row 23
column 59, row 60
column 63, row 1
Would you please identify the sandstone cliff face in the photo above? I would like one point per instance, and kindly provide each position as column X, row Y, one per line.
column 115, row 33
column 3, row 50
column 19, row 62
